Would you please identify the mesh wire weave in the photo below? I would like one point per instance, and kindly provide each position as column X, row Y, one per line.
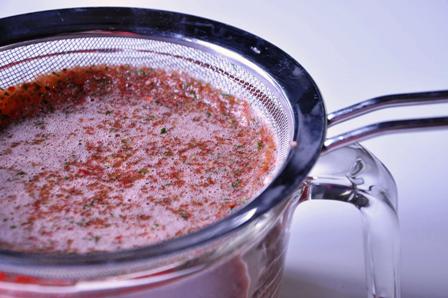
column 25, row 62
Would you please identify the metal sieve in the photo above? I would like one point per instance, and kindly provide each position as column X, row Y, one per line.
column 221, row 56
column 24, row 62
column 235, row 61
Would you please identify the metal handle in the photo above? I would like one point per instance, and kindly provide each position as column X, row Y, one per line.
column 382, row 102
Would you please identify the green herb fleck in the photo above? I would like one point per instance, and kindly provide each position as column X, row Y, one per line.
column 236, row 183
column 21, row 173
column 143, row 171
column 97, row 238
column 193, row 94
column 108, row 112
column 184, row 214
column 163, row 130
column 260, row 145
column 89, row 204
column 141, row 72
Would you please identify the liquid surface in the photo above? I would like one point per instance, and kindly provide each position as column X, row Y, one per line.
column 109, row 158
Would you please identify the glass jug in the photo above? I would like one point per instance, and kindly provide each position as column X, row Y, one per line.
column 248, row 262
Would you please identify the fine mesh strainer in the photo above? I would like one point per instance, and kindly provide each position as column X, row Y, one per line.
column 230, row 59
column 24, row 62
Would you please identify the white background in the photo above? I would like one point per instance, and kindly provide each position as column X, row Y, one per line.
column 354, row 50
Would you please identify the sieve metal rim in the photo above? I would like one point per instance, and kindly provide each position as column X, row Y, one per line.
column 297, row 85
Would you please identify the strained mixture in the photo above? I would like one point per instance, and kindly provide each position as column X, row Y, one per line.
column 105, row 158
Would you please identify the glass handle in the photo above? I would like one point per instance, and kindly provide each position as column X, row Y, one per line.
column 354, row 176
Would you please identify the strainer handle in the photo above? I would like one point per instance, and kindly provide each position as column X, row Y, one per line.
column 381, row 128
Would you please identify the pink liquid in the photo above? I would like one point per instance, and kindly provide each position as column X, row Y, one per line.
column 125, row 158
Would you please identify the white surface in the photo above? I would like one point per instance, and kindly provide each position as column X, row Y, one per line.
column 354, row 50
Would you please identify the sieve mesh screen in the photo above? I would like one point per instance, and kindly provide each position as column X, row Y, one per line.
column 25, row 62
